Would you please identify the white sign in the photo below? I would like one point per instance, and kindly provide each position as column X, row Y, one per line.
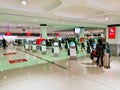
column 43, row 48
column 72, row 52
column 56, row 50
column 26, row 46
column 34, row 47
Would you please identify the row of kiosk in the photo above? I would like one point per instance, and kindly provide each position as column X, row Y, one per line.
column 36, row 44
column 32, row 45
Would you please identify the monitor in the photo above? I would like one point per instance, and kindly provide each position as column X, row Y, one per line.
column 55, row 43
column 43, row 43
column 72, row 44
column 34, row 42
column 77, row 30
column 27, row 41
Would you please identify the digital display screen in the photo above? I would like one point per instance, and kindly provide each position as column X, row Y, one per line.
column 72, row 44
column 60, row 39
column 27, row 41
column 55, row 43
column 43, row 43
column 77, row 30
column 34, row 42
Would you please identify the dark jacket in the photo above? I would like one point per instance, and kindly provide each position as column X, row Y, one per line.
column 108, row 49
column 99, row 50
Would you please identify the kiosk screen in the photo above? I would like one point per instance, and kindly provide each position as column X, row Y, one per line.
column 55, row 43
column 34, row 42
column 72, row 44
column 43, row 43
column 27, row 41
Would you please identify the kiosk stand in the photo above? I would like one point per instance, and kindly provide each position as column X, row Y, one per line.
column 72, row 51
column 43, row 47
column 27, row 44
column 34, row 47
column 56, row 49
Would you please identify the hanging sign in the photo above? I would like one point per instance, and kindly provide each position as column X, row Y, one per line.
column 28, row 34
column 8, row 34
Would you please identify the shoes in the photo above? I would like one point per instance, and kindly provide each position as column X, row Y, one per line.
column 107, row 67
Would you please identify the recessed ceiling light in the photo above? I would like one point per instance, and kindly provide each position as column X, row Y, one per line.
column 19, row 24
column 35, row 20
column 5, row 77
column 24, row 2
column 106, row 18
column 50, row 21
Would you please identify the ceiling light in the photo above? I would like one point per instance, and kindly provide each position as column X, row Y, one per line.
column 24, row 2
column 34, row 20
column 50, row 21
column 106, row 18
column 19, row 24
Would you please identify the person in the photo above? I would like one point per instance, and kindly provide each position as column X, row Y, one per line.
column 88, row 47
column 82, row 46
column 4, row 44
column 108, row 51
column 100, row 41
column 100, row 54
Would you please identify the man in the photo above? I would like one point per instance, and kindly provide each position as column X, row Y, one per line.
column 100, row 54
column 4, row 44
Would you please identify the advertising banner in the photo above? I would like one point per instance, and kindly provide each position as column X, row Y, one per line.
column 112, row 32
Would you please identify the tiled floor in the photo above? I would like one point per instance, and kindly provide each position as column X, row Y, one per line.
column 78, row 75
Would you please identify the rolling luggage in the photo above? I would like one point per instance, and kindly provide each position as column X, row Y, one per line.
column 106, row 61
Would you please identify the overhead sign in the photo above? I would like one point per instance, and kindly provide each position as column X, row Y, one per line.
column 57, row 34
column 28, row 34
column 8, row 34
column 112, row 32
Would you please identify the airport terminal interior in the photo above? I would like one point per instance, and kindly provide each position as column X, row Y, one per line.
column 59, row 45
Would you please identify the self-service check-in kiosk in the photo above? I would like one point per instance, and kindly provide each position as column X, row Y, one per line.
column 34, row 46
column 72, row 51
column 27, row 44
column 43, row 47
column 56, row 48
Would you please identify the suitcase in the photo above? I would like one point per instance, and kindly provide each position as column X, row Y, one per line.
column 106, row 61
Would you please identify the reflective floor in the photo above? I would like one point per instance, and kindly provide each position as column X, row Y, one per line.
column 62, row 74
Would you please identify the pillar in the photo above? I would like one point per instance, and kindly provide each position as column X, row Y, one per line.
column 113, row 37
column 43, row 28
column 82, row 32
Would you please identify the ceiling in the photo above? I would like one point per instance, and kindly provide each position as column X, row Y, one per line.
column 60, row 14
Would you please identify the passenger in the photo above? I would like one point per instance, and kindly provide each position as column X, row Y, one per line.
column 100, row 54
column 82, row 46
column 108, row 51
column 4, row 44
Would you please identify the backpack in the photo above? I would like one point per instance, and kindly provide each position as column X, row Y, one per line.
column 94, row 53
column 99, row 51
